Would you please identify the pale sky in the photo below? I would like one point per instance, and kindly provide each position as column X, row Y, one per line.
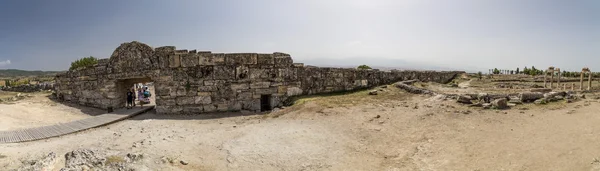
column 457, row 34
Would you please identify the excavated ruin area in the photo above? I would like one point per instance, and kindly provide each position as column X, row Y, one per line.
column 392, row 130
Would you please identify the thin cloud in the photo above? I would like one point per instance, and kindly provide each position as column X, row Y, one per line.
column 4, row 63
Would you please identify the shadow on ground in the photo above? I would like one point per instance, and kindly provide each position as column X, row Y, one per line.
column 153, row 115
column 84, row 109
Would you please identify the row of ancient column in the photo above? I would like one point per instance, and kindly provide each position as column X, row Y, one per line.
column 551, row 70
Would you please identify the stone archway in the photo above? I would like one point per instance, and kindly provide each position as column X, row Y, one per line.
column 583, row 71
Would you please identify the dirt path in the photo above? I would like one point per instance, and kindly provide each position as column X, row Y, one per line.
column 40, row 111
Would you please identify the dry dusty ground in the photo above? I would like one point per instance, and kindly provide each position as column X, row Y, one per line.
column 390, row 131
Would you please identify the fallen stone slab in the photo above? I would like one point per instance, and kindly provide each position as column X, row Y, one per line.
column 413, row 89
column 530, row 96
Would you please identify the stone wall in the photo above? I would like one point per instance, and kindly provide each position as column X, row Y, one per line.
column 202, row 81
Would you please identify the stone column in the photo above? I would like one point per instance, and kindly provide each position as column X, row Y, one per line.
column 572, row 86
column 551, row 78
column 545, row 78
column 590, row 80
column 564, row 86
column 558, row 82
column 581, row 81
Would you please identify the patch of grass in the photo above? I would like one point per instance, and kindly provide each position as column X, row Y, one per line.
column 114, row 160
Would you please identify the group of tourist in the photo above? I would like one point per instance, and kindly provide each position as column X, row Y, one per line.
column 143, row 96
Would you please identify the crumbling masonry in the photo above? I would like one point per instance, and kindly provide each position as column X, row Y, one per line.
column 200, row 81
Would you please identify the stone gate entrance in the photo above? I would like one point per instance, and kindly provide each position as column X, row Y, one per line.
column 202, row 81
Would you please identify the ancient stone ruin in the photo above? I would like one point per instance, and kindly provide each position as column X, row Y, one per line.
column 583, row 72
column 201, row 81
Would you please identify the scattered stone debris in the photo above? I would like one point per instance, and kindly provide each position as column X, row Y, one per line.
column 464, row 99
column 45, row 163
column 406, row 85
column 183, row 162
column 499, row 104
column 373, row 92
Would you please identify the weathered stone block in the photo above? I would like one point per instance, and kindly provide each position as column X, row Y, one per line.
column 240, row 86
column 204, row 93
column 283, row 61
column 219, row 58
column 189, row 60
column 265, row 91
column 202, row 100
column 209, row 108
column 192, row 110
column 265, row 59
column 174, row 61
column 224, row 72
column 293, row 91
column 244, row 96
column 240, row 59
column 262, row 84
column 207, row 88
column 185, row 100
column 222, row 107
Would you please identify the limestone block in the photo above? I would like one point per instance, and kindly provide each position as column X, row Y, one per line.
column 282, row 89
column 204, row 94
column 206, row 59
column 224, row 72
column 207, row 88
column 252, row 105
column 192, row 109
column 265, row 59
column 209, row 108
column 240, row 86
column 240, row 58
column 293, row 91
column 219, row 58
column 242, row 72
column 234, row 106
column 181, row 92
column 202, row 100
column 262, row 84
column 189, row 60
column 222, row 107
column 244, row 96
column 283, row 61
column 166, row 102
column 174, row 61
column 185, row 100
column 265, row 91
column 205, row 72
column 161, row 109
column 175, row 109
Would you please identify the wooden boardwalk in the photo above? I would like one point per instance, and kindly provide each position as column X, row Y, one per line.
column 59, row 129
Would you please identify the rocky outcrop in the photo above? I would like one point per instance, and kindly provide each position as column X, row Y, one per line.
column 45, row 163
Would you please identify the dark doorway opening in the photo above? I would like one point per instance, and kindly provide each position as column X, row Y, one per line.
column 137, row 85
column 265, row 103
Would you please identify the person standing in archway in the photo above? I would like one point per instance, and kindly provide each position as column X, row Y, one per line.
column 130, row 96
column 140, row 95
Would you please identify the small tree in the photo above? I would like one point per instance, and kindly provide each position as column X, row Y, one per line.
column 83, row 62
column 363, row 67
column 517, row 72
column 479, row 75
column 496, row 71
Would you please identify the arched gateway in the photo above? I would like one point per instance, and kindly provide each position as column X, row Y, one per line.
column 199, row 82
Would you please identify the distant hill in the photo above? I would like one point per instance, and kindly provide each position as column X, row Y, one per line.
column 24, row 73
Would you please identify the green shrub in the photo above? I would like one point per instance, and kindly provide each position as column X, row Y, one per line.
column 83, row 62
